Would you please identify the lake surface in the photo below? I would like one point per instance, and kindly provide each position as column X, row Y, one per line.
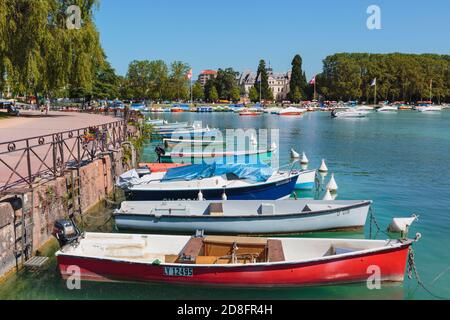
column 401, row 161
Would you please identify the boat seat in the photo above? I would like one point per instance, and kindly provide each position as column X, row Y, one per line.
column 191, row 251
column 216, row 209
column 275, row 251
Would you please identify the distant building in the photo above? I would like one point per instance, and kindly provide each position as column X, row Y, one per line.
column 278, row 83
column 206, row 75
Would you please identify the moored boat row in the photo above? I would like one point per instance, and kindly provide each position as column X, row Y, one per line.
column 223, row 203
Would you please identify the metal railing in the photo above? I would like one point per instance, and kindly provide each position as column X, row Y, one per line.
column 28, row 161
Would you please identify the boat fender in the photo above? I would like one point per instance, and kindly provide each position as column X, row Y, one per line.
column 332, row 185
column 305, row 159
column 323, row 168
column 224, row 196
column 328, row 196
column 200, row 196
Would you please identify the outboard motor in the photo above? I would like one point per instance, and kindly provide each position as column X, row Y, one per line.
column 66, row 232
column 333, row 113
column 160, row 152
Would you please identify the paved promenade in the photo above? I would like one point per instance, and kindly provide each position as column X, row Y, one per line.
column 31, row 124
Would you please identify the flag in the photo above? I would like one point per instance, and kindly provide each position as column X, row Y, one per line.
column 313, row 81
column 374, row 82
column 189, row 74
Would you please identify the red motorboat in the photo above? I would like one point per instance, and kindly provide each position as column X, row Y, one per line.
column 160, row 167
column 249, row 113
column 231, row 261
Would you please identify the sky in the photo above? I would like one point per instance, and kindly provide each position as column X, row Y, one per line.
column 211, row 34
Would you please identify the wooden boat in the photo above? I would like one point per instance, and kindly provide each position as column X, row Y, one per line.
column 222, row 156
column 246, row 217
column 229, row 261
column 291, row 111
column 259, row 182
column 172, row 143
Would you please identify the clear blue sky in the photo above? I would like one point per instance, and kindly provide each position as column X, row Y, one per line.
column 211, row 34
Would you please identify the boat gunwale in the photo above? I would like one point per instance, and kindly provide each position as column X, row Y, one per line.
column 387, row 248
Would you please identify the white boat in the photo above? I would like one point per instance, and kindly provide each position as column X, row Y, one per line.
column 387, row 109
column 156, row 122
column 212, row 182
column 430, row 109
column 189, row 132
column 172, row 143
column 349, row 114
column 272, row 110
column 364, row 108
column 291, row 111
column 306, row 180
column 246, row 217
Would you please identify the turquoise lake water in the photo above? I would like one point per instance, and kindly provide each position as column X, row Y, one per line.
column 401, row 161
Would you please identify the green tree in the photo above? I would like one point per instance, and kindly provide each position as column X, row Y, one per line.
column 38, row 54
column 226, row 82
column 158, row 79
column 198, row 92
column 253, row 95
column 106, row 85
column 298, row 85
column 262, row 82
column 297, row 95
column 139, row 79
column 214, row 95
column 179, row 84
column 235, row 94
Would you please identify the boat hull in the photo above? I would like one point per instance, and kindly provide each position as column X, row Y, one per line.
column 306, row 180
column 353, row 217
column 339, row 270
column 268, row 191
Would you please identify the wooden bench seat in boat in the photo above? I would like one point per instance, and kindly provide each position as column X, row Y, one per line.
column 215, row 210
column 219, row 250
column 275, row 251
column 191, row 251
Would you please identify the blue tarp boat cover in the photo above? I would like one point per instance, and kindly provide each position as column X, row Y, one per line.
column 252, row 172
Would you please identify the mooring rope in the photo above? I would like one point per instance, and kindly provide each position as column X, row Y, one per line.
column 412, row 270
column 374, row 221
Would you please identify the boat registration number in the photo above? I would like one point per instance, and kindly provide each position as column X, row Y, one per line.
column 178, row 272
